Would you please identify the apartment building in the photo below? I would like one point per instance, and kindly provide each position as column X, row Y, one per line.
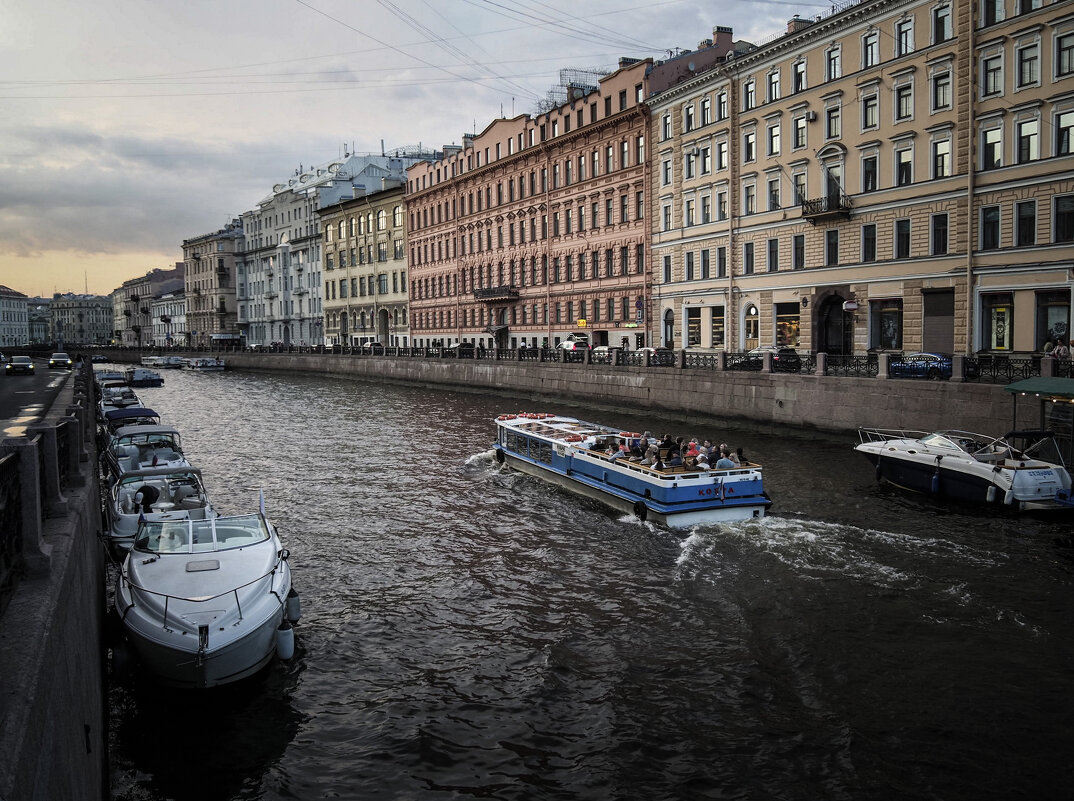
column 168, row 314
column 210, row 295
column 132, row 315
column 14, row 317
column 365, row 269
column 80, row 319
column 895, row 174
column 537, row 227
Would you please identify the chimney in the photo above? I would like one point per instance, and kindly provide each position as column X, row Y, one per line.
column 798, row 24
column 723, row 38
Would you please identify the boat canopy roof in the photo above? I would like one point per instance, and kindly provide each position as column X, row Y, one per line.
column 131, row 411
column 1045, row 388
column 144, row 432
column 174, row 473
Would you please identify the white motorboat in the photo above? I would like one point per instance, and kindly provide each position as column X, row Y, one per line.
column 207, row 602
column 116, row 395
column 154, row 494
column 1022, row 470
column 140, row 447
column 143, row 377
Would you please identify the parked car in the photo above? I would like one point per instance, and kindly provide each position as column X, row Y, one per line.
column 374, row 348
column 784, row 360
column 99, row 358
column 19, row 364
column 460, row 350
column 661, row 357
column 933, row 366
column 572, row 344
column 60, row 360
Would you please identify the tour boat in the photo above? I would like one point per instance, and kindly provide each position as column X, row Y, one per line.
column 570, row 453
column 141, row 446
column 143, row 377
column 205, row 365
column 1023, row 470
column 154, row 494
column 207, row 602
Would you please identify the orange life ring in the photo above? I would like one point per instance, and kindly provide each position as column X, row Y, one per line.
column 574, row 438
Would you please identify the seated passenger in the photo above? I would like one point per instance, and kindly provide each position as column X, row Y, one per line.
column 622, row 452
column 730, row 454
column 145, row 498
column 725, row 462
column 703, row 462
column 652, row 455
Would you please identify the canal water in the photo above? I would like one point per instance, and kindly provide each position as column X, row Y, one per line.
column 470, row 632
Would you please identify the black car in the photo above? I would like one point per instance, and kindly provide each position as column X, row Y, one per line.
column 19, row 364
column 784, row 360
column 60, row 360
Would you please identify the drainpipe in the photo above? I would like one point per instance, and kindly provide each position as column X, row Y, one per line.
column 971, row 175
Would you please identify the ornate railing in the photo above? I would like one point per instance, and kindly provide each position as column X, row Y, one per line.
column 853, row 366
column 993, row 369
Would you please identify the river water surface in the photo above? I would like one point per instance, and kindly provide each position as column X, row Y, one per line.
column 469, row 632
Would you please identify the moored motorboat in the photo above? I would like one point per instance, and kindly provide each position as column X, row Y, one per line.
column 562, row 450
column 143, row 377
column 204, row 602
column 1022, row 470
column 206, row 365
column 154, row 494
column 142, row 446
column 116, row 395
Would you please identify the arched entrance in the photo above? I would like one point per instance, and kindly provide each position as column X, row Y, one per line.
column 287, row 335
column 669, row 329
column 382, row 326
column 835, row 327
column 751, row 327
column 343, row 332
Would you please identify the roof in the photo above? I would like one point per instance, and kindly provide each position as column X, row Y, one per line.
column 143, row 431
column 1058, row 388
column 130, row 411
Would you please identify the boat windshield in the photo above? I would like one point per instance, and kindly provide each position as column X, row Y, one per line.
column 201, row 536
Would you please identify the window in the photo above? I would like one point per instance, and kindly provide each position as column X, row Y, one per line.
column 665, row 172
column 721, row 155
column 990, row 228
column 749, row 199
column 869, row 175
column 773, row 139
column 622, row 100
column 798, row 252
column 991, row 11
column 939, row 235
column 941, row 158
column 998, row 321
column 941, row 91
column 667, row 271
column 706, row 110
column 992, row 75
column 688, row 165
column 1064, row 218
column 688, row 118
column 902, row 239
column 706, row 209
column 689, row 213
column 721, row 262
column 689, row 266
column 665, row 224
column 747, row 258
column 1053, row 315
column 904, row 37
column 798, row 76
column 868, row 242
column 773, row 255
column 1028, row 149
column 885, row 323
column 1064, row 133
column 904, row 101
column 798, row 137
column 773, row 86
column 721, row 106
column 904, row 160
column 1064, row 54
column 749, row 95
column 1028, row 65
column 706, row 160
column 870, row 49
column 721, row 205
column 992, row 148
column 832, row 65
column 831, row 247
column 941, row 24
column 870, row 112
column 773, row 194
column 832, row 127
column 799, row 180
column 749, row 146
column 1025, row 228
column 665, row 127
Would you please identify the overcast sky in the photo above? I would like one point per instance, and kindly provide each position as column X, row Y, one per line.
column 127, row 126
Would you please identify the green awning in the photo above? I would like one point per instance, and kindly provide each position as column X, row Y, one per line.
column 1059, row 388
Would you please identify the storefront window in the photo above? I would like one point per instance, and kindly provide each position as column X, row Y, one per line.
column 717, row 327
column 1053, row 317
column 998, row 319
column 693, row 328
column 886, row 324
column 788, row 319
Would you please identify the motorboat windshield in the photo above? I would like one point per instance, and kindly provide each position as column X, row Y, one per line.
column 201, row 536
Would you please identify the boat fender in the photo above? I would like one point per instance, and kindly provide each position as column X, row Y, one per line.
column 641, row 511
column 1008, row 496
column 285, row 641
column 936, row 477
column 293, row 606
column 990, row 495
column 499, row 456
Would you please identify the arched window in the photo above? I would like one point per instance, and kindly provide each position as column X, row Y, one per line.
column 382, row 220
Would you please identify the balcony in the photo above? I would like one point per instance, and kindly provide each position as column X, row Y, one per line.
column 299, row 290
column 826, row 208
column 271, row 294
column 496, row 293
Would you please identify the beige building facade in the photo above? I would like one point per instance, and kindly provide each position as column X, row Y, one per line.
column 893, row 176
column 537, row 227
column 365, row 269
column 210, row 292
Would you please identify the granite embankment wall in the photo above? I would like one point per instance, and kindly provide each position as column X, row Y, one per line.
column 829, row 403
column 53, row 730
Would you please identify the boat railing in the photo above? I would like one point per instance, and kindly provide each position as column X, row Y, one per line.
column 886, row 434
column 674, row 473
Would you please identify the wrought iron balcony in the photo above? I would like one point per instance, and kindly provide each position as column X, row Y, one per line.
column 496, row 293
column 827, row 207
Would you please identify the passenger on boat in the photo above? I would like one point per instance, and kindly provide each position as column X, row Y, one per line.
column 725, row 462
column 703, row 462
column 621, row 453
column 674, row 458
column 145, row 497
column 730, row 453
column 652, row 455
